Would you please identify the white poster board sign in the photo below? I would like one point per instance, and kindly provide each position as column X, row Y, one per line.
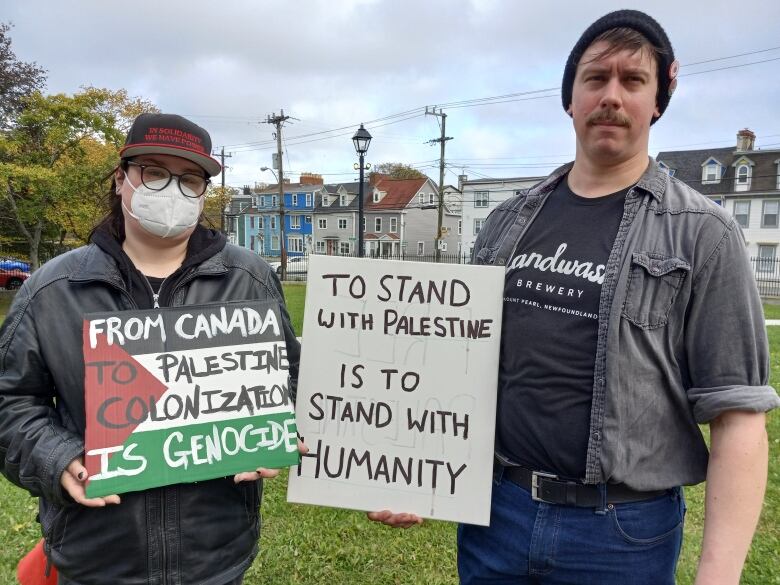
column 397, row 387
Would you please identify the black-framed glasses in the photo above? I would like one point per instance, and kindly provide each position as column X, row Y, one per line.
column 157, row 178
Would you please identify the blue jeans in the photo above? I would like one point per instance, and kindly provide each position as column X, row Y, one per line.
column 549, row 544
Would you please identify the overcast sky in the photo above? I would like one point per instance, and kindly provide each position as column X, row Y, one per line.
column 337, row 63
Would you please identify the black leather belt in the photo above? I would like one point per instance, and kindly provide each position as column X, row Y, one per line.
column 551, row 489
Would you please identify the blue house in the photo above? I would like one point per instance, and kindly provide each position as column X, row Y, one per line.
column 261, row 222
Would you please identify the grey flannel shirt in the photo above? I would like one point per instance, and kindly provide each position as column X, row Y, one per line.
column 681, row 335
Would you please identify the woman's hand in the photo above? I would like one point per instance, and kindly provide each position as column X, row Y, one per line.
column 73, row 480
column 262, row 472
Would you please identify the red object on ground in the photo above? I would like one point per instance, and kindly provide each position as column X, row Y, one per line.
column 31, row 570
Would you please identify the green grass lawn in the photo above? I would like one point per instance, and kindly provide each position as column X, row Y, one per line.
column 310, row 545
column 772, row 310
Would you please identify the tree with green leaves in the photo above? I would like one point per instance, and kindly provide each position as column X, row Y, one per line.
column 18, row 80
column 217, row 198
column 55, row 157
column 398, row 171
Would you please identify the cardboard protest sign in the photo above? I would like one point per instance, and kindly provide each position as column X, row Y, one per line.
column 183, row 394
column 397, row 388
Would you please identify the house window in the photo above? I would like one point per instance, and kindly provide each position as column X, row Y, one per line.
column 295, row 222
column 442, row 246
column 342, row 223
column 478, row 223
column 377, row 224
column 420, row 248
column 319, row 247
column 742, row 179
column 295, row 200
column 766, row 257
column 431, row 199
column 273, row 222
column 481, row 198
column 252, row 222
column 343, row 200
column 322, row 223
column 260, row 222
column 296, row 244
column 275, row 242
column 344, row 248
column 421, row 198
column 376, row 196
column 769, row 214
column 665, row 168
column 717, row 200
column 460, row 227
column 710, row 173
column 364, row 224
column 274, row 201
column 308, row 219
column 393, row 225
column 324, row 200
column 742, row 213
column 309, row 197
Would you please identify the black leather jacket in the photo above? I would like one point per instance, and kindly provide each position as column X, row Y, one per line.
column 187, row 534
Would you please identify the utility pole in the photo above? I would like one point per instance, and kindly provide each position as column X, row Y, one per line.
column 222, row 156
column 278, row 121
column 442, row 141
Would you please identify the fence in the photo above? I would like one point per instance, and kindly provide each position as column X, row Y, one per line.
column 298, row 266
column 767, row 272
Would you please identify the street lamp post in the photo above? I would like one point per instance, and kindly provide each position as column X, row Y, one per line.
column 283, row 249
column 361, row 140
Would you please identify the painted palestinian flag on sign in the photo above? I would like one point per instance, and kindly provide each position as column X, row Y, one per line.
column 185, row 394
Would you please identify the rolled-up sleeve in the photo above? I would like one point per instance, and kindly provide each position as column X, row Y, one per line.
column 725, row 336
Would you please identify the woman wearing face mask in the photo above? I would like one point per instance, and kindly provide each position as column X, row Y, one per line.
column 149, row 251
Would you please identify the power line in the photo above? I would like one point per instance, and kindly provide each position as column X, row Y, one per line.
column 497, row 99
column 730, row 57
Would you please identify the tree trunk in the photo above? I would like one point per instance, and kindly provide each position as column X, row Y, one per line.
column 35, row 241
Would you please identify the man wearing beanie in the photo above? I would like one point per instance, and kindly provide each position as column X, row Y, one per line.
column 630, row 317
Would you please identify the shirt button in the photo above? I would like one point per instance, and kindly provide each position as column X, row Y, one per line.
column 596, row 435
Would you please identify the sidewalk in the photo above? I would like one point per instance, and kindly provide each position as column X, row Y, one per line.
column 772, row 322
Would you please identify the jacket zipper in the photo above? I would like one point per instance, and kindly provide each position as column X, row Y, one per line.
column 163, row 546
column 155, row 295
column 156, row 300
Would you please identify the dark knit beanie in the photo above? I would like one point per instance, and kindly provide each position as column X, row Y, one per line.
column 643, row 24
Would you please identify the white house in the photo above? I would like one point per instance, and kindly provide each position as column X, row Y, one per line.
column 480, row 197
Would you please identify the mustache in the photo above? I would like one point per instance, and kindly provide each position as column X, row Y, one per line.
column 609, row 117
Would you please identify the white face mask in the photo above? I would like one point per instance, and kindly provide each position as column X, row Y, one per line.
column 166, row 213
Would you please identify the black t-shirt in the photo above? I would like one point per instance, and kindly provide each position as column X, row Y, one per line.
column 550, row 325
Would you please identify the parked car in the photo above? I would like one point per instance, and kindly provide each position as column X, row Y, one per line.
column 14, row 264
column 295, row 265
column 12, row 279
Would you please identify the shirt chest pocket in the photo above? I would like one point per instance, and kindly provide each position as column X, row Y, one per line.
column 653, row 285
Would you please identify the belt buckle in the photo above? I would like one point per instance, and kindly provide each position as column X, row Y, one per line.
column 535, row 475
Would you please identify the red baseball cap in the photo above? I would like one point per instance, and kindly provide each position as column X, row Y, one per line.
column 170, row 134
